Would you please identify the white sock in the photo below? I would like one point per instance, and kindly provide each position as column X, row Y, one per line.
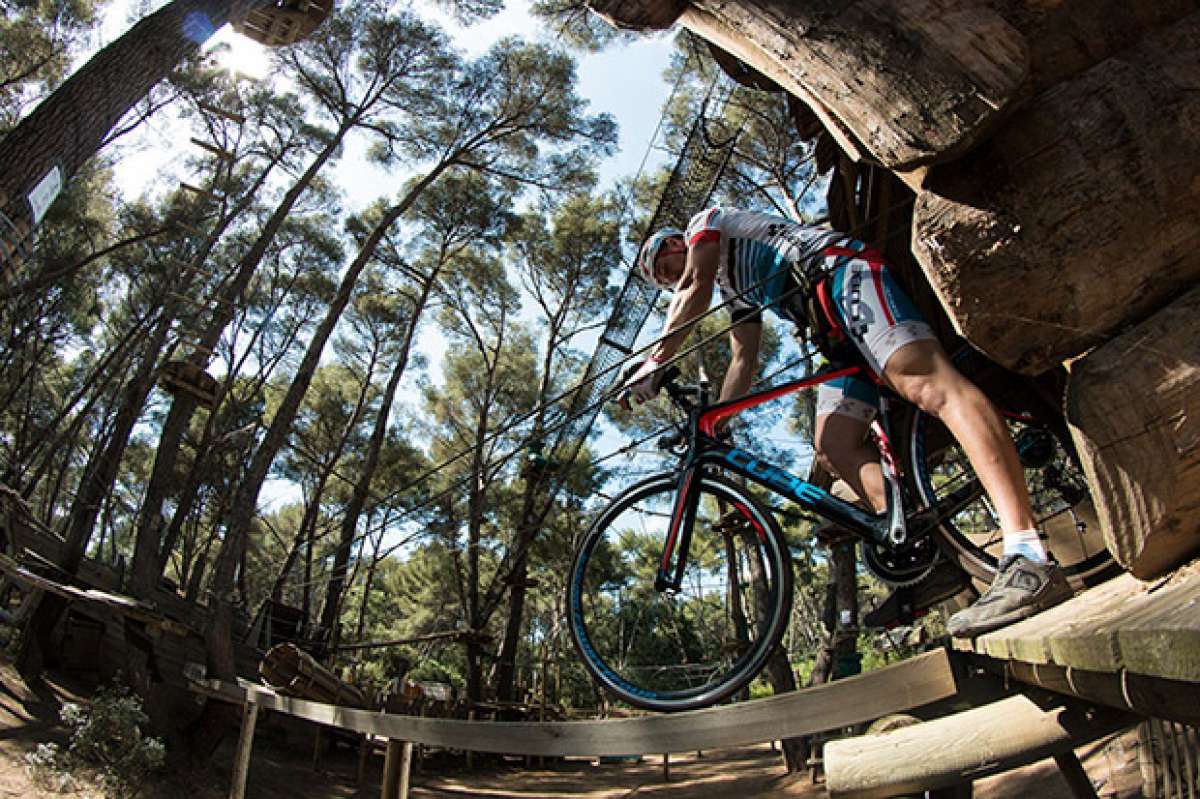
column 1027, row 543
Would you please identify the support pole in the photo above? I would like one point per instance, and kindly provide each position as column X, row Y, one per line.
column 1077, row 779
column 666, row 766
column 396, row 769
column 241, row 763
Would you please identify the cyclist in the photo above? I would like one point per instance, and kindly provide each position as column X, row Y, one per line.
column 807, row 274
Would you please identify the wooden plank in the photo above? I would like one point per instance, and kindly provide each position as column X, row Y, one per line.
column 1150, row 629
column 128, row 606
column 965, row 746
column 1163, row 639
column 911, row 683
column 241, row 762
column 1075, row 620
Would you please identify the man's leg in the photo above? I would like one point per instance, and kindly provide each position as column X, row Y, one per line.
column 844, row 451
column 922, row 373
column 845, row 408
column 901, row 348
column 1026, row 582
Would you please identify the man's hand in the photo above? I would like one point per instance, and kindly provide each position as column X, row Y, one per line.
column 642, row 383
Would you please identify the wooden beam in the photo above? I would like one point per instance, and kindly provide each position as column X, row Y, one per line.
column 965, row 746
column 241, row 763
column 905, row 685
column 202, row 192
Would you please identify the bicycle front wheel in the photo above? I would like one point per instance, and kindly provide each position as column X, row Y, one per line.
column 685, row 649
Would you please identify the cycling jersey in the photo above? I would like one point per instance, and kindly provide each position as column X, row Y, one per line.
column 766, row 261
column 770, row 262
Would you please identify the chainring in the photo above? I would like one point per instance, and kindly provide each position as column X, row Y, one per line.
column 905, row 566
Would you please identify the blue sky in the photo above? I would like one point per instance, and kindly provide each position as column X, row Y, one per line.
column 625, row 81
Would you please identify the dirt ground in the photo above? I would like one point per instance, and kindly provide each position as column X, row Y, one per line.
column 282, row 766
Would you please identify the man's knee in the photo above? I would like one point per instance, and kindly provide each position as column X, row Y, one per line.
column 922, row 374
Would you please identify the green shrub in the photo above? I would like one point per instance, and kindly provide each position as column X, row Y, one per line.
column 106, row 735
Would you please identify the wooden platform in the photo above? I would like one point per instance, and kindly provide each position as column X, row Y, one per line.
column 1147, row 628
column 1125, row 643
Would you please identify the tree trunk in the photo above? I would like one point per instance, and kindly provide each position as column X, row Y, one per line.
column 1134, row 407
column 362, row 486
column 1078, row 217
column 245, row 501
column 69, row 126
column 148, row 552
column 96, row 485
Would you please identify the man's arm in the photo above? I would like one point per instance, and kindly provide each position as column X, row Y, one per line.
column 693, row 295
column 743, row 341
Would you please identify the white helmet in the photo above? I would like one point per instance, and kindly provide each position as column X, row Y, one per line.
column 646, row 258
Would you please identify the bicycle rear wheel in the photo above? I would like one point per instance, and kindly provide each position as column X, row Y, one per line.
column 667, row 651
column 1058, row 490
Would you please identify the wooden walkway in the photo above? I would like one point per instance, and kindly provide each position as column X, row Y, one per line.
column 903, row 686
column 1126, row 642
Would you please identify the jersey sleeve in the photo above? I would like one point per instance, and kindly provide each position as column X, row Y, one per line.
column 705, row 226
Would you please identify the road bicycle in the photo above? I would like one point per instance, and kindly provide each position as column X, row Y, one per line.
column 681, row 588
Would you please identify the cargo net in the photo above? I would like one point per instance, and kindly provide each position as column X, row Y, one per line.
column 693, row 180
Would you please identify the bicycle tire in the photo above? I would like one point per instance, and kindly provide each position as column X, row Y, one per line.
column 1059, row 492
column 619, row 621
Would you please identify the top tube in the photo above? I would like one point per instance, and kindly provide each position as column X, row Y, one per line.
column 710, row 417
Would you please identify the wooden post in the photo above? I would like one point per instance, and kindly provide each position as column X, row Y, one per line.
column 1077, row 779
column 666, row 766
column 241, row 763
column 364, row 751
column 397, row 766
column 470, row 754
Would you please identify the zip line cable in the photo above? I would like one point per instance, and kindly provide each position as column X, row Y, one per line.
column 598, row 403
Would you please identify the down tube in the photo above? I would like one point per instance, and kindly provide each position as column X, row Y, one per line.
column 801, row 491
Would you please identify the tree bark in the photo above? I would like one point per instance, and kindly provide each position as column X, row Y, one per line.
column 69, row 126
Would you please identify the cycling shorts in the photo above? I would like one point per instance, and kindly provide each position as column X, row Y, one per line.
column 879, row 319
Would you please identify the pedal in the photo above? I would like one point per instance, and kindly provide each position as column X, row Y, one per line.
column 908, row 603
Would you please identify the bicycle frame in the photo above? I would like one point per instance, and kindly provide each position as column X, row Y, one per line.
column 704, row 449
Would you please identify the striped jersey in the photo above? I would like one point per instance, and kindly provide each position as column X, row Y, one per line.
column 758, row 254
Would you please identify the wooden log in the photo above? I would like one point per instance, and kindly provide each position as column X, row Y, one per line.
column 1134, row 410
column 241, row 761
column 966, row 746
column 1078, row 216
column 1067, row 37
column 914, row 82
column 639, row 15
